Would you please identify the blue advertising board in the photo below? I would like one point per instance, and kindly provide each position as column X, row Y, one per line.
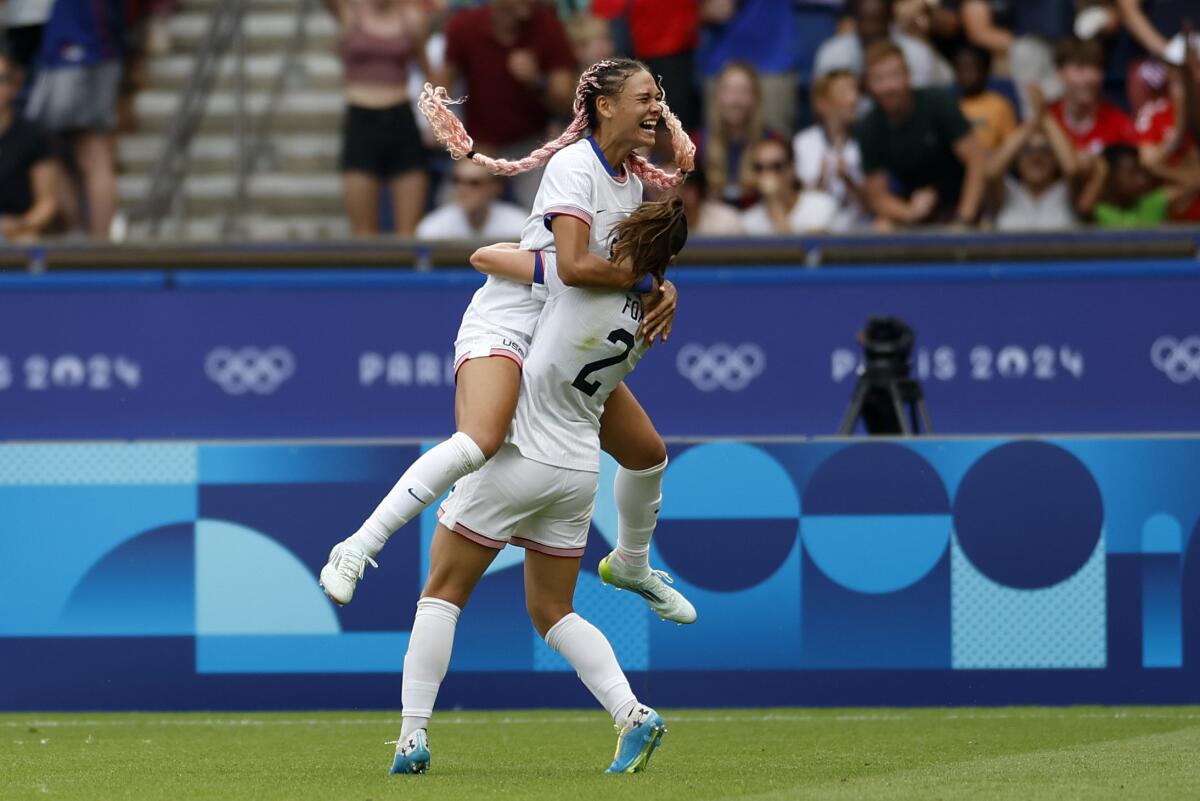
column 917, row 571
column 755, row 352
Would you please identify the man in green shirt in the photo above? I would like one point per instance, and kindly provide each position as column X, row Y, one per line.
column 922, row 162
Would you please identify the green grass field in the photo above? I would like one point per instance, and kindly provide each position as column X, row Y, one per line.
column 856, row 755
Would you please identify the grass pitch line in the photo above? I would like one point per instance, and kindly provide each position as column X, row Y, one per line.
column 590, row 719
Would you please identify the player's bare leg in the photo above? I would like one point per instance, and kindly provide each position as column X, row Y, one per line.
column 549, row 589
column 485, row 400
column 627, row 434
column 455, row 566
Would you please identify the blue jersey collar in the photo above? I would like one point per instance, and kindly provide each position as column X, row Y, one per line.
column 600, row 155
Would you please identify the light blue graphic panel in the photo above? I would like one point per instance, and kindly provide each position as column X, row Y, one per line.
column 349, row 652
column 246, row 583
column 63, row 535
column 100, row 463
column 994, row 626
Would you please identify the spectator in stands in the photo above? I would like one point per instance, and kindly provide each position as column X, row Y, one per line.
column 990, row 114
column 1036, row 195
column 784, row 209
column 1165, row 144
column 934, row 22
column 591, row 40
column 1157, row 25
column 922, row 161
column 381, row 144
column 476, row 211
column 1131, row 197
column 663, row 34
column 28, row 173
column 75, row 94
column 734, row 128
column 1023, row 31
column 872, row 24
column 1090, row 122
column 24, row 21
column 706, row 217
column 518, row 70
column 760, row 33
column 826, row 154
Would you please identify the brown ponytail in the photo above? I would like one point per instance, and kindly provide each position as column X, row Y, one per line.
column 651, row 236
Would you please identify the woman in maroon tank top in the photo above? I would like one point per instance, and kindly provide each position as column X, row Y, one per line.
column 381, row 145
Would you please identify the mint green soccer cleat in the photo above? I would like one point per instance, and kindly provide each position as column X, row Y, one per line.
column 637, row 741
column 667, row 603
column 412, row 754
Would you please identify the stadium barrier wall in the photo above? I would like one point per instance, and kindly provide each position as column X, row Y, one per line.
column 1064, row 347
column 922, row 571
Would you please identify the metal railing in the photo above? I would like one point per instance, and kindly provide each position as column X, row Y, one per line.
column 255, row 144
column 165, row 196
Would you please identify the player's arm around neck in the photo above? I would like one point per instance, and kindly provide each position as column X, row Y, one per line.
column 505, row 260
column 577, row 266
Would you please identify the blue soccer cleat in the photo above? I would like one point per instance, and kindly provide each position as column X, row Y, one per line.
column 637, row 741
column 412, row 754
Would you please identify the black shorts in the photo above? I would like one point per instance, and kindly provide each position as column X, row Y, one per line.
column 382, row 142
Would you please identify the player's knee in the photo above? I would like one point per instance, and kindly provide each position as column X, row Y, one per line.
column 650, row 453
column 489, row 442
column 544, row 614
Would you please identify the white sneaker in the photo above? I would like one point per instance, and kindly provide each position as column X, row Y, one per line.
column 341, row 574
column 667, row 603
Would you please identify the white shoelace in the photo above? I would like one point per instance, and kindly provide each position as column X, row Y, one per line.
column 351, row 564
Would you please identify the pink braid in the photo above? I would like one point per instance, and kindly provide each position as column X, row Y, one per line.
column 685, row 156
column 435, row 103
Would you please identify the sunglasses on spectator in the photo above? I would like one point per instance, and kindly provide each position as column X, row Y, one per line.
column 469, row 181
column 770, row 166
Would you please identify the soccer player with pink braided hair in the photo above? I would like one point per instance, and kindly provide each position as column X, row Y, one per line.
column 593, row 181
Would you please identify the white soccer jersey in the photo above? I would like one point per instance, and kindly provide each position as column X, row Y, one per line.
column 585, row 343
column 579, row 181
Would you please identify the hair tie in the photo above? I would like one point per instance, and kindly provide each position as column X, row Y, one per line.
column 470, row 154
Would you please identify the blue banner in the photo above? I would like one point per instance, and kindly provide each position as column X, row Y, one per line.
column 755, row 352
column 927, row 571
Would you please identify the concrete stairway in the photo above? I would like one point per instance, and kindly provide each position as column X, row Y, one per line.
column 296, row 196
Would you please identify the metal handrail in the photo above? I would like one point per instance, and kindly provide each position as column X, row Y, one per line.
column 170, row 168
column 260, row 148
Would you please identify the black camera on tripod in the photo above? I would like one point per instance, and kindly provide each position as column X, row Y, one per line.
column 887, row 398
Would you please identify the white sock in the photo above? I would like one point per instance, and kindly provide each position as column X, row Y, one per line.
column 639, row 497
column 425, row 664
column 588, row 651
column 422, row 483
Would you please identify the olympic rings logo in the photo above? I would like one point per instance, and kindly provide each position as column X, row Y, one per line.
column 1179, row 359
column 250, row 369
column 721, row 366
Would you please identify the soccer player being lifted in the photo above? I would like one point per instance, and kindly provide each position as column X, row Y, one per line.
column 593, row 181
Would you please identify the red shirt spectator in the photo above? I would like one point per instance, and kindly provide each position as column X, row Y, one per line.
column 657, row 27
column 1156, row 122
column 1109, row 126
column 491, row 49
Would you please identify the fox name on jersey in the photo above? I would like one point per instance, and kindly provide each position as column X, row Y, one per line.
column 586, row 342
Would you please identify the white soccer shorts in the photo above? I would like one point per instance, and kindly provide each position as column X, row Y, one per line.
column 523, row 502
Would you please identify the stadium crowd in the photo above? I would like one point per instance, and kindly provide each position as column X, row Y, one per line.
column 810, row 115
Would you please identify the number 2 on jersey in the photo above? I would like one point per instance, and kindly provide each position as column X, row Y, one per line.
column 616, row 336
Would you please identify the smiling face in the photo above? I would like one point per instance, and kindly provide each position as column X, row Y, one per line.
column 630, row 116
